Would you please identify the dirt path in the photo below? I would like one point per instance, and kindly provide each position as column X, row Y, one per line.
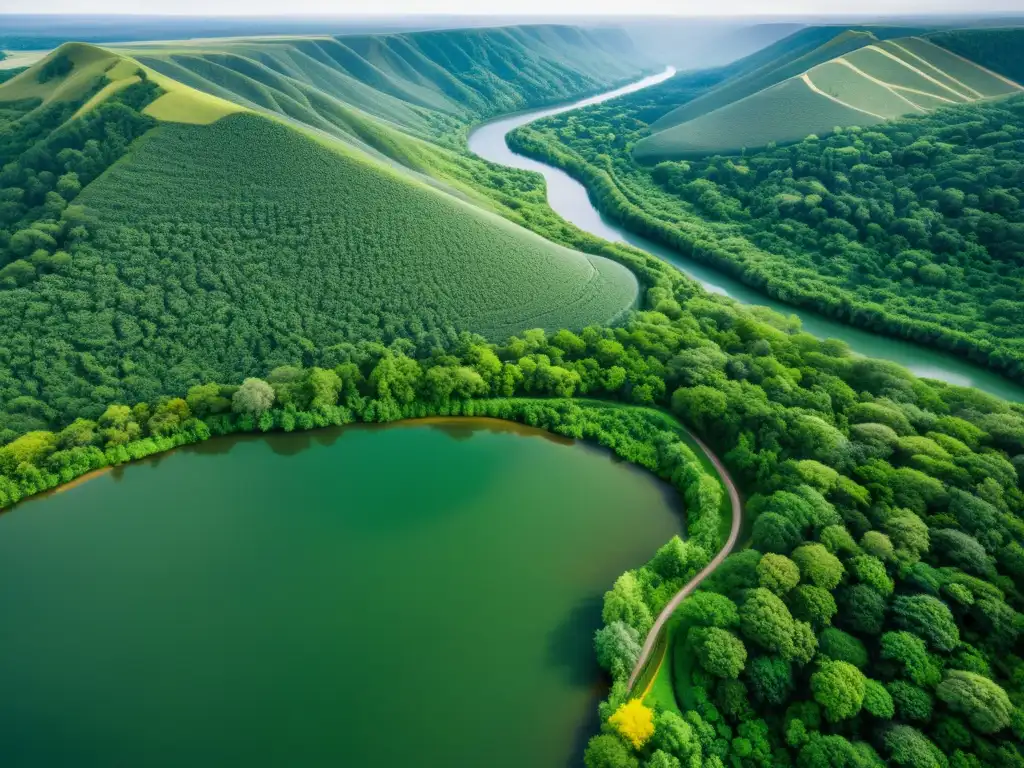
column 810, row 84
column 686, row 591
column 925, row 75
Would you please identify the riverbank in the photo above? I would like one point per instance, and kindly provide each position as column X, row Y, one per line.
column 456, row 426
column 571, row 199
column 609, row 199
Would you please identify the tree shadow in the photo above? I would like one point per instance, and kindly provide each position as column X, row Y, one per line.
column 571, row 644
column 571, row 653
column 280, row 443
column 464, row 427
column 589, row 726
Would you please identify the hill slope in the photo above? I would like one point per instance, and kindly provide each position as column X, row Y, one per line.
column 996, row 49
column 422, row 82
column 154, row 235
column 778, row 62
column 871, row 81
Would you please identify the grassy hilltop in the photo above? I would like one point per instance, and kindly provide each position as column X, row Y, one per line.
column 153, row 234
column 851, row 77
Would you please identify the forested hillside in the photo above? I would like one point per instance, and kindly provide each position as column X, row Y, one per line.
column 912, row 228
column 176, row 265
column 153, row 237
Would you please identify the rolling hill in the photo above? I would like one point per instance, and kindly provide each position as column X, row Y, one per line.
column 404, row 98
column 775, row 63
column 153, row 235
column 422, row 82
column 856, row 77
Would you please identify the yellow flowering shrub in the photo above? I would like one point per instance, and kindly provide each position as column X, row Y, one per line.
column 634, row 722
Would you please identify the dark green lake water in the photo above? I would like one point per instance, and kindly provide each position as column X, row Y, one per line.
column 420, row 595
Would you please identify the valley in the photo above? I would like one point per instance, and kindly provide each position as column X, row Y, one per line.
column 850, row 248
column 570, row 199
column 187, row 198
column 633, row 393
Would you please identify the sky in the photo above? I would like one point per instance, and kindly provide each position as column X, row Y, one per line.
column 509, row 7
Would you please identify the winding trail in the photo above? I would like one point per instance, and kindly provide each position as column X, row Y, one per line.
column 687, row 590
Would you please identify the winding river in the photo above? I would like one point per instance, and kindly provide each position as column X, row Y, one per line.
column 422, row 594
column 570, row 200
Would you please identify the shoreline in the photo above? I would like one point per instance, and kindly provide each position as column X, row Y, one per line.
column 80, row 480
column 455, row 426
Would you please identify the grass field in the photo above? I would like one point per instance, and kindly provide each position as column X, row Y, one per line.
column 18, row 59
column 969, row 73
column 901, row 73
column 901, row 50
column 852, row 87
column 870, row 81
column 786, row 112
column 86, row 63
column 787, row 58
column 995, row 49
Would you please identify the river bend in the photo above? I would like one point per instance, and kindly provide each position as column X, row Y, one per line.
column 570, row 200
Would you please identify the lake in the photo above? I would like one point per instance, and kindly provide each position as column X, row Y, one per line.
column 423, row 594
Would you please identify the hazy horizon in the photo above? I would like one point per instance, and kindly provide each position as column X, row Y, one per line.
column 328, row 8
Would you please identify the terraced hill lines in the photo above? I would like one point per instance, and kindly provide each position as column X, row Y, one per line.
column 969, row 73
column 874, row 81
column 904, row 53
column 915, row 81
column 997, row 51
column 786, row 59
column 845, row 83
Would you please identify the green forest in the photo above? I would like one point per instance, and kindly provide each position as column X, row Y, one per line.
column 912, row 228
column 875, row 613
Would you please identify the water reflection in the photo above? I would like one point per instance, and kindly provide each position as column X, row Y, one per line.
column 273, row 588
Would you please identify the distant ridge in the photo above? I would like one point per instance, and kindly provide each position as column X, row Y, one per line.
column 415, row 80
column 857, row 77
